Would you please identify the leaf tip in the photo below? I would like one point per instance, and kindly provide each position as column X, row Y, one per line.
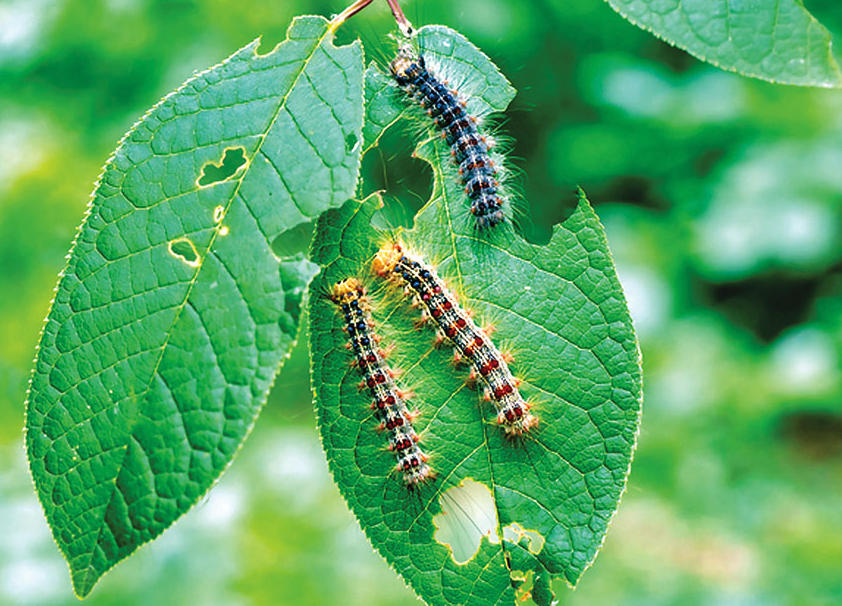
column 83, row 581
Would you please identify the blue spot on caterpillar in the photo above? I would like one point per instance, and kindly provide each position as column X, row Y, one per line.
column 468, row 146
column 389, row 402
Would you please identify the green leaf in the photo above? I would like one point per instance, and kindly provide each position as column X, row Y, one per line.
column 381, row 111
column 776, row 41
column 173, row 315
column 558, row 308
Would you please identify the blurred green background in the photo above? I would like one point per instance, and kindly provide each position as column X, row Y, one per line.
column 722, row 198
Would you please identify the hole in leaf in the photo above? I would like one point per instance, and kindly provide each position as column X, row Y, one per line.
column 351, row 142
column 534, row 540
column 407, row 181
column 231, row 163
column 183, row 249
column 630, row 189
column 272, row 35
column 468, row 514
column 537, row 226
column 522, row 583
column 294, row 240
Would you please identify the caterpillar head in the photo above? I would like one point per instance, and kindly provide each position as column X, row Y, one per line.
column 407, row 65
column 386, row 259
column 346, row 290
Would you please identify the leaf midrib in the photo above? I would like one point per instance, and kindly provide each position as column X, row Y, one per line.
column 438, row 170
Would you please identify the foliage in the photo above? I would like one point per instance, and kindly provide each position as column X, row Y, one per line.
column 733, row 497
column 780, row 41
column 174, row 314
column 559, row 307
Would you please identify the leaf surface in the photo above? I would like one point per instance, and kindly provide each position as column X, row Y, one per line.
column 173, row 315
column 559, row 309
column 777, row 41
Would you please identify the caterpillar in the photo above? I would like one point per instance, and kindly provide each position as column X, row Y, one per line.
column 389, row 403
column 468, row 146
column 454, row 324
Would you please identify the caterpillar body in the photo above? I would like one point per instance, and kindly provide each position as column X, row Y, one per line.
column 389, row 403
column 454, row 323
column 469, row 147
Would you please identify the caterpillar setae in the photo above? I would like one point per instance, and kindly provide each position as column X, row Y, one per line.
column 468, row 146
column 389, row 402
column 454, row 323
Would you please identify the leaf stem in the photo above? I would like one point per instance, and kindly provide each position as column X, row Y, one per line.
column 349, row 12
column 403, row 23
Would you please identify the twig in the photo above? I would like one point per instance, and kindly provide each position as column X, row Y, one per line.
column 403, row 23
column 348, row 13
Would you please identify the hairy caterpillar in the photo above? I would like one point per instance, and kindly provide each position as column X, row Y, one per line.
column 389, row 402
column 468, row 146
column 455, row 324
